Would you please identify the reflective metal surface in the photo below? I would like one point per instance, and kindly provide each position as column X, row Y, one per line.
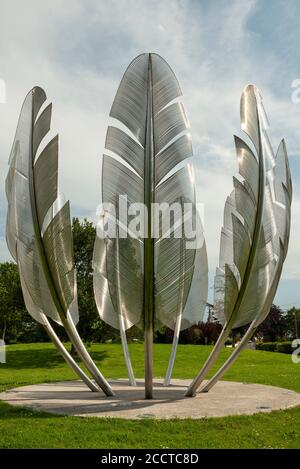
column 150, row 162
column 38, row 233
column 254, row 237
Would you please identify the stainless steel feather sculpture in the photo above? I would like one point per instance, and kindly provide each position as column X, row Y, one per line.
column 39, row 234
column 147, row 280
column 255, row 235
column 156, row 275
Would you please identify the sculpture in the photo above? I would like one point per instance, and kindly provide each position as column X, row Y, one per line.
column 161, row 280
column 38, row 232
column 255, row 235
column 158, row 274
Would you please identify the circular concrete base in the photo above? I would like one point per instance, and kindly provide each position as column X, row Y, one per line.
column 226, row 398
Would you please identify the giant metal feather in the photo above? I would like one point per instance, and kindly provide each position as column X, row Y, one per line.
column 255, row 233
column 38, row 232
column 149, row 281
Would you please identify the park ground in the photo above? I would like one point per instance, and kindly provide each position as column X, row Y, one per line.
column 37, row 363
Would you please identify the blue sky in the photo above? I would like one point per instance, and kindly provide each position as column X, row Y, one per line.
column 79, row 50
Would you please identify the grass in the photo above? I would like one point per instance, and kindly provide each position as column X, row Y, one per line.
column 35, row 363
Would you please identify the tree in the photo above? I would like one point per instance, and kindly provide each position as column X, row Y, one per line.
column 12, row 308
column 203, row 333
column 273, row 328
column 16, row 325
column 292, row 322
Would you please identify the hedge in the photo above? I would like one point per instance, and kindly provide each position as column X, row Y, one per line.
column 282, row 347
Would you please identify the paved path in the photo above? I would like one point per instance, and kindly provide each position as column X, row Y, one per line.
column 226, row 398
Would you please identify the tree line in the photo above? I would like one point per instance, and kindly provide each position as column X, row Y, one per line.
column 16, row 325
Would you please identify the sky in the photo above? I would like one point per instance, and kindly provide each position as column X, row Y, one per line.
column 78, row 51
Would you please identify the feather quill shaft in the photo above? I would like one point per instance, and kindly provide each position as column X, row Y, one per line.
column 66, row 355
column 42, row 319
column 149, row 191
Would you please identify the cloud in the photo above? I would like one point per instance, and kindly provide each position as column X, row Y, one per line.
column 79, row 53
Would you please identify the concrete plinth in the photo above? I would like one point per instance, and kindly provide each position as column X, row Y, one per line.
column 226, row 398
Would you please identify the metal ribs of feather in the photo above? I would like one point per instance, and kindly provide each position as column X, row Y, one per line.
column 240, row 220
column 283, row 194
column 38, row 227
column 30, row 305
column 105, row 286
column 126, row 175
column 283, row 199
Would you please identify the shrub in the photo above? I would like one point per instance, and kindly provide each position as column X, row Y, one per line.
column 285, row 347
column 281, row 347
column 267, row 346
column 228, row 342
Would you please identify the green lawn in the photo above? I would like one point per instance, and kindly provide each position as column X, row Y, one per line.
column 34, row 363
